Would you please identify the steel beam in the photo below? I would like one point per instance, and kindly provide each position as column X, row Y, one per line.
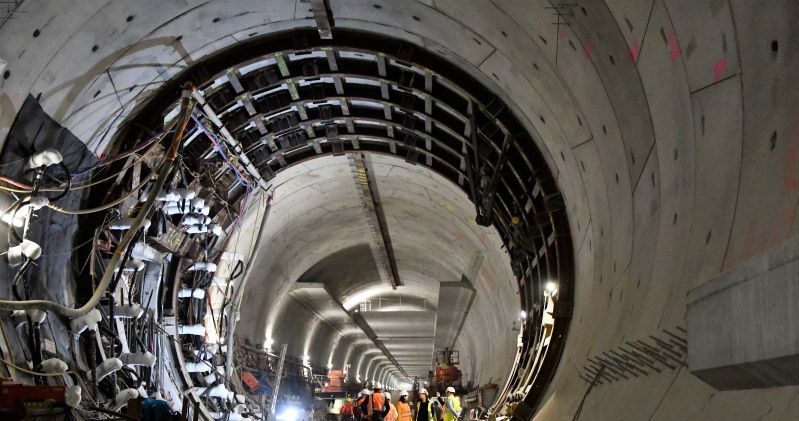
column 323, row 17
column 382, row 249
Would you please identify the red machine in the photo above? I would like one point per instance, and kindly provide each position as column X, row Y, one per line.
column 335, row 382
column 447, row 373
column 19, row 401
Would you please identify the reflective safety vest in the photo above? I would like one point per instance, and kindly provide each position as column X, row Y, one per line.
column 377, row 402
column 346, row 410
column 392, row 413
column 446, row 414
column 404, row 411
column 430, row 415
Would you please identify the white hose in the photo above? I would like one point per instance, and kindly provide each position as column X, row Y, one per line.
column 128, row 312
column 123, row 397
column 200, row 367
column 197, row 330
column 72, row 396
column 89, row 320
column 44, row 158
column 54, row 366
column 27, row 249
column 205, row 266
column 191, row 293
column 107, row 367
column 138, row 358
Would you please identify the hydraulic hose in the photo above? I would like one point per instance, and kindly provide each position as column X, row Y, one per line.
column 164, row 171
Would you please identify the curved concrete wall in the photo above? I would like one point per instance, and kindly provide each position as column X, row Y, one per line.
column 316, row 233
column 671, row 125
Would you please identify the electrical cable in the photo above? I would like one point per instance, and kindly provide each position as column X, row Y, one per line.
column 123, row 155
column 67, row 184
column 163, row 173
column 36, row 373
column 221, row 150
column 25, row 188
column 102, row 207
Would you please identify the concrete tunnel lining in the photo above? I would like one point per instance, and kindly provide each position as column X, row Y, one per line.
column 708, row 216
column 415, row 188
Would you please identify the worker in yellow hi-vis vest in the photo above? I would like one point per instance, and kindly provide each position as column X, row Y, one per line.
column 452, row 406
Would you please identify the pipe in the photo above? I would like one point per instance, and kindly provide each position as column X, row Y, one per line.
column 163, row 173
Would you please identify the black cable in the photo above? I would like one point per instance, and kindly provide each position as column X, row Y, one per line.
column 67, row 184
column 113, row 285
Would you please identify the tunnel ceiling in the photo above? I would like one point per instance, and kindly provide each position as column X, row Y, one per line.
column 355, row 99
column 669, row 127
column 317, row 254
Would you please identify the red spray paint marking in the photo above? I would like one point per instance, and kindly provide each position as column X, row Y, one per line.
column 759, row 238
column 561, row 35
column 632, row 55
column 719, row 68
column 674, row 47
column 588, row 49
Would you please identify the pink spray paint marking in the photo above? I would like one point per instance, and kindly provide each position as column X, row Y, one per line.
column 588, row 49
column 635, row 50
column 561, row 35
column 760, row 236
column 719, row 69
column 674, row 47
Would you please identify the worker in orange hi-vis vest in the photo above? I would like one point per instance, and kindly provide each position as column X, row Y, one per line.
column 392, row 410
column 378, row 407
column 347, row 410
column 403, row 407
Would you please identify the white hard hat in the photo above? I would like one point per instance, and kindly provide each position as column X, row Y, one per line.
column 423, row 391
column 403, row 393
column 378, row 385
column 450, row 390
column 364, row 392
column 387, row 395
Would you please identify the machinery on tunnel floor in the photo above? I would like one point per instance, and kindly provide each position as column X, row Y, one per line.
column 447, row 373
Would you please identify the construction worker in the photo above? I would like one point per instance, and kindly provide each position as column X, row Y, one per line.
column 438, row 403
column 347, row 411
column 424, row 408
column 392, row 410
column 377, row 408
column 362, row 404
column 403, row 407
column 452, row 406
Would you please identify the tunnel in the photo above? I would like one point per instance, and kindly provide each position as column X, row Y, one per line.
column 577, row 209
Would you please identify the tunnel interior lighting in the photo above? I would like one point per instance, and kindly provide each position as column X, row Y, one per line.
column 550, row 288
column 289, row 414
column 522, row 315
